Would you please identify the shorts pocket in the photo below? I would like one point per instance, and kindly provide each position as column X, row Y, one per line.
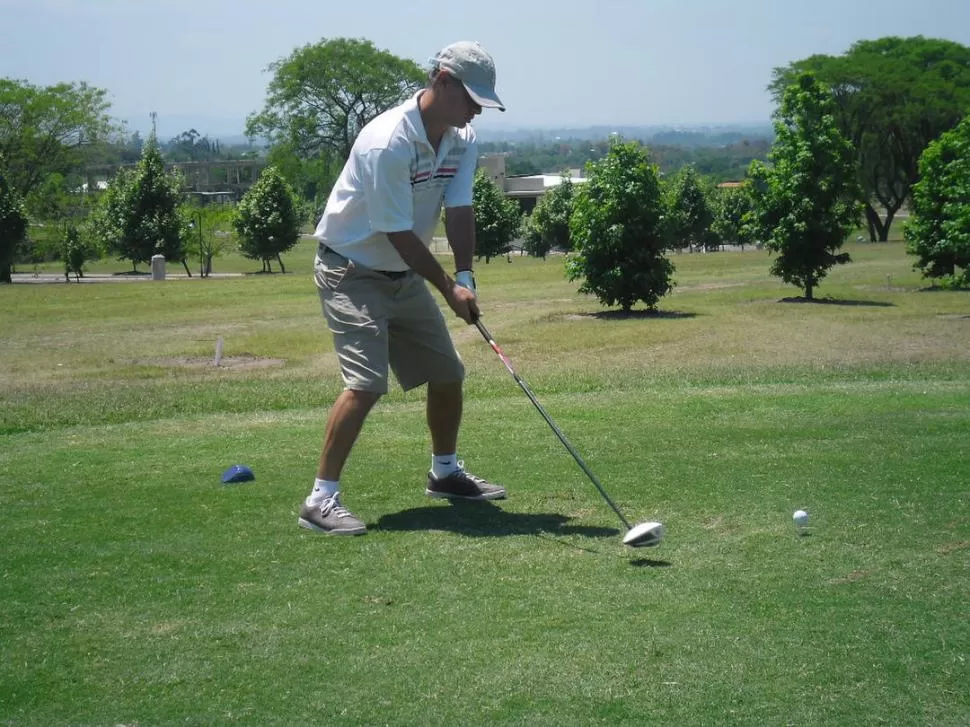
column 329, row 273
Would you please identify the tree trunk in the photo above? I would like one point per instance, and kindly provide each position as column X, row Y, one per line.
column 809, row 291
column 5, row 273
column 280, row 261
column 185, row 264
column 879, row 229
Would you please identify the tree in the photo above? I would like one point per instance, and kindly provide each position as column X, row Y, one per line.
column 13, row 224
column 732, row 205
column 311, row 178
column 58, row 199
column 209, row 227
column 322, row 95
column 548, row 226
column 191, row 146
column 267, row 219
column 938, row 231
column 497, row 218
column 139, row 215
column 689, row 213
column 45, row 130
column 74, row 252
column 806, row 202
column 892, row 96
column 617, row 229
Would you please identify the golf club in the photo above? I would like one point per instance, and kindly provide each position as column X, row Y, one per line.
column 638, row 536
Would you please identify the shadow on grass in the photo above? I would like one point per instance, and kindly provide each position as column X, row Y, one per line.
column 839, row 301
column 634, row 315
column 941, row 289
column 650, row 563
column 484, row 519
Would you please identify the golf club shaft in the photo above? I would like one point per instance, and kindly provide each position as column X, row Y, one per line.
column 562, row 437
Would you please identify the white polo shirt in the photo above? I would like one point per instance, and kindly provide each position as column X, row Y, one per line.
column 394, row 181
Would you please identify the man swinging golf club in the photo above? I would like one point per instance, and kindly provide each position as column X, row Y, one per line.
column 373, row 265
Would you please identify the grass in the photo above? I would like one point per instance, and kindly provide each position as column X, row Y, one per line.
column 138, row 590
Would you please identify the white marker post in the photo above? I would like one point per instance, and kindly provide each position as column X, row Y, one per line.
column 218, row 360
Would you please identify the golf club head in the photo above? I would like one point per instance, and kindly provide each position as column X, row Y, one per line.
column 644, row 535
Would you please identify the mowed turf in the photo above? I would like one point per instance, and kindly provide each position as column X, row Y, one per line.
column 136, row 589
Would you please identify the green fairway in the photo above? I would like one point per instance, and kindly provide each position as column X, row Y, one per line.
column 136, row 589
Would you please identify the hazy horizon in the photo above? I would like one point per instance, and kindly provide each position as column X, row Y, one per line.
column 232, row 129
column 561, row 63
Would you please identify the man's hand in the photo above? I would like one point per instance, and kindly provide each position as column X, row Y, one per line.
column 462, row 301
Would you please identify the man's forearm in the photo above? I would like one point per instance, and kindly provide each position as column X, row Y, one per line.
column 417, row 256
column 460, row 228
column 463, row 251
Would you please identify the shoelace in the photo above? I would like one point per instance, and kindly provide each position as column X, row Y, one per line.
column 463, row 473
column 332, row 505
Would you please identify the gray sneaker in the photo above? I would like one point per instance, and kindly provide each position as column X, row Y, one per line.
column 462, row 485
column 330, row 517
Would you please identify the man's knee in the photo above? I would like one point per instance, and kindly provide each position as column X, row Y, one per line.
column 358, row 400
column 445, row 388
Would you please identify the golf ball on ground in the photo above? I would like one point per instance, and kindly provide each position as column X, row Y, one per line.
column 800, row 518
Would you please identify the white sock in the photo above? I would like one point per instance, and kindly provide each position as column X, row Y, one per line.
column 322, row 490
column 443, row 465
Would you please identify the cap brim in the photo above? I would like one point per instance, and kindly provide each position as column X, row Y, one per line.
column 238, row 473
column 485, row 98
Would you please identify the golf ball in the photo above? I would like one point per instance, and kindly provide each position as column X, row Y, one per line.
column 801, row 518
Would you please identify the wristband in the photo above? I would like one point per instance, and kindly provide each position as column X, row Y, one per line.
column 465, row 279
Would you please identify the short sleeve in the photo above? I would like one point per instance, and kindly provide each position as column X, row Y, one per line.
column 459, row 192
column 385, row 177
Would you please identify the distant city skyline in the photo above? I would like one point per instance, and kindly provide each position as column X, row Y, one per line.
column 227, row 129
column 561, row 63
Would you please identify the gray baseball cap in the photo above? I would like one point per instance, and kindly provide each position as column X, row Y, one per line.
column 473, row 66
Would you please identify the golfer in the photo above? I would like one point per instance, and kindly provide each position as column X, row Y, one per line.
column 373, row 265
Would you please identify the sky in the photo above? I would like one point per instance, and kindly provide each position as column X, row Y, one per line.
column 560, row 63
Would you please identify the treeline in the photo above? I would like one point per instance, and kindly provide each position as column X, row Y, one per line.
column 670, row 152
column 891, row 99
column 188, row 146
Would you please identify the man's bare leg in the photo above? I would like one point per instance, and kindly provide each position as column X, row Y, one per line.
column 344, row 424
column 451, row 480
column 444, row 408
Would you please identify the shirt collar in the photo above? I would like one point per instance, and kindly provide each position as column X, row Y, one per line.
column 416, row 130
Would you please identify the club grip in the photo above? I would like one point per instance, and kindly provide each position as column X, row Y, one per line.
column 482, row 329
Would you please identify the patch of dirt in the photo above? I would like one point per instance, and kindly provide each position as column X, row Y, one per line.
column 948, row 548
column 243, row 362
column 707, row 286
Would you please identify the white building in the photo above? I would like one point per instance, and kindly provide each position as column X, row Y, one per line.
column 526, row 189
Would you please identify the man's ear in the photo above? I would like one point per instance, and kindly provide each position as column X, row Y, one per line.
column 441, row 78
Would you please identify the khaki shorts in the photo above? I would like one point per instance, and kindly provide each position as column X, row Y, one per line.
column 380, row 322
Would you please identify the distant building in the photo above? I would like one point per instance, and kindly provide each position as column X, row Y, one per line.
column 212, row 181
column 526, row 189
